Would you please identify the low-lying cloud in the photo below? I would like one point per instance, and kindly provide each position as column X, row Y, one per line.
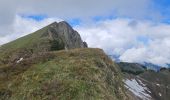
column 132, row 40
column 22, row 26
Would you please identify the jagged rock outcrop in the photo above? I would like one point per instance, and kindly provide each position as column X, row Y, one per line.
column 64, row 33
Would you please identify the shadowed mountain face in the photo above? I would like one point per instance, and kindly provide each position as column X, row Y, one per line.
column 64, row 33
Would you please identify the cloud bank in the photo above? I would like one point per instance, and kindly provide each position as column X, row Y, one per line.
column 70, row 9
column 132, row 40
column 23, row 26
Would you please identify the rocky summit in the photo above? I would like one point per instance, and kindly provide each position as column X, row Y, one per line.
column 64, row 33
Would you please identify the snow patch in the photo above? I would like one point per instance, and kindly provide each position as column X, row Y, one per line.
column 160, row 94
column 18, row 61
column 158, row 84
column 141, row 83
column 139, row 89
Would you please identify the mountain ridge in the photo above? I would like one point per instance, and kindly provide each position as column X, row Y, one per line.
column 54, row 63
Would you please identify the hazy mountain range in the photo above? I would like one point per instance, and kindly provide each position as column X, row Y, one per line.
column 147, row 64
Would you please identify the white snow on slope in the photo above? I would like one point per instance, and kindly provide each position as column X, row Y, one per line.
column 140, row 90
column 20, row 60
column 160, row 94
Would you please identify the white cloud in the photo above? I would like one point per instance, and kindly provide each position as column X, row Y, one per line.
column 121, row 37
column 76, row 8
column 23, row 26
column 70, row 9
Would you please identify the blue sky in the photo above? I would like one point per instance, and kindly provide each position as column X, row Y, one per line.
column 35, row 17
column 161, row 8
column 162, row 5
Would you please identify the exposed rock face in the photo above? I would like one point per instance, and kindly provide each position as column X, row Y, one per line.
column 85, row 45
column 65, row 34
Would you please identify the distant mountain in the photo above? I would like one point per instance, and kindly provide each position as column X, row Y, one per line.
column 133, row 68
column 115, row 58
column 151, row 66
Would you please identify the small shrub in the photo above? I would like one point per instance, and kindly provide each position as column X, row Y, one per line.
column 57, row 44
column 5, row 94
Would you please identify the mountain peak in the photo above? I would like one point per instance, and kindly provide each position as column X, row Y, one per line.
column 64, row 22
column 67, row 35
column 60, row 23
column 56, row 36
column 54, row 23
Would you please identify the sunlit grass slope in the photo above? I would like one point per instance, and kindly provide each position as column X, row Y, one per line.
column 78, row 74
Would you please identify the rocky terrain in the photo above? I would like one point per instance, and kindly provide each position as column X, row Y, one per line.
column 146, row 84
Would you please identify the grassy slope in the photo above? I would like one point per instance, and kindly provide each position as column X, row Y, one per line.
column 27, row 42
column 79, row 74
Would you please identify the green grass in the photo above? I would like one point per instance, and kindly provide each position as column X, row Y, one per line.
column 30, row 44
column 26, row 41
column 79, row 74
